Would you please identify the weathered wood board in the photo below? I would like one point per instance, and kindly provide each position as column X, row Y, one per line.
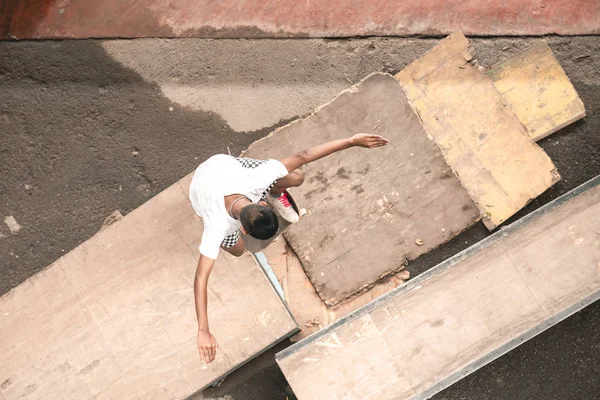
column 481, row 138
column 367, row 208
column 302, row 299
column 537, row 90
column 463, row 313
column 115, row 318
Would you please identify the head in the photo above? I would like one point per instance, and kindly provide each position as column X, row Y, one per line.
column 259, row 221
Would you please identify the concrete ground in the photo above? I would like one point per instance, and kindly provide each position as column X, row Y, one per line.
column 89, row 127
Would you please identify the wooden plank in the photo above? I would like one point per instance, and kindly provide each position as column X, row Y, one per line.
column 304, row 303
column 461, row 314
column 115, row 317
column 481, row 138
column 361, row 201
column 537, row 90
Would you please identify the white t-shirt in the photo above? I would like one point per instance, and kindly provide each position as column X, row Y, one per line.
column 223, row 175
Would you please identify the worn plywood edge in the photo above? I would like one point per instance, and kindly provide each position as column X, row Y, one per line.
column 105, row 230
column 364, row 289
column 505, row 348
column 463, row 47
column 265, row 269
column 351, row 89
column 388, row 275
column 497, row 68
column 261, row 261
column 416, row 282
column 332, row 304
column 336, row 302
column 102, row 230
column 240, row 365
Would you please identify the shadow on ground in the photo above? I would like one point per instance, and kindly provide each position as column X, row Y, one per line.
column 83, row 136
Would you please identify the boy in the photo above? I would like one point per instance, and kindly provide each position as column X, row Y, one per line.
column 229, row 194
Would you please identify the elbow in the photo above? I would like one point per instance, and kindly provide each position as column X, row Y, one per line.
column 304, row 157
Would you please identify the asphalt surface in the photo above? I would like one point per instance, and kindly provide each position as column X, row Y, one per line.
column 89, row 127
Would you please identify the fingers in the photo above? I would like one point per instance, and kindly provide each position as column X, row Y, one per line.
column 204, row 355
column 377, row 142
column 214, row 348
column 209, row 353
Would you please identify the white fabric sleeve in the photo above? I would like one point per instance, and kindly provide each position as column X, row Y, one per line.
column 211, row 243
column 267, row 173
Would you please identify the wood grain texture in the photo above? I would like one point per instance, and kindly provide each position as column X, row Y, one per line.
column 367, row 208
column 115, row 317
column 302, row 299
column 481, row 138
column 537, row 90
column 404, row 344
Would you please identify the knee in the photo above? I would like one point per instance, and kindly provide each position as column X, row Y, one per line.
column 298, row 177
column 237, row 252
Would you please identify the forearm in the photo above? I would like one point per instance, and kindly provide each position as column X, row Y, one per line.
column 201, row 293
column 325, row 149
column 315, row 153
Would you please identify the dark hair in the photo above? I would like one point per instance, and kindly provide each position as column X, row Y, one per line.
column 259, row 221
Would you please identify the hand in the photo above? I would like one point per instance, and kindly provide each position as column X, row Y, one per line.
column 368, row 141
column 207, row 346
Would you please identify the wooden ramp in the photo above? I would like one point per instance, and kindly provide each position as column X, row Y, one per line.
column 462, row 314
column 403, row 197
column 115, row 319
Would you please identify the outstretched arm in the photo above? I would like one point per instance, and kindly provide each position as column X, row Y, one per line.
column 207, row 345
column 314, row 153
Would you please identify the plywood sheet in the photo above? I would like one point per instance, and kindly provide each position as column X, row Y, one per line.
column 481, row 138
column 304, row 303
column 362, row 201
column 537, row 90
column 461, row 314
column 115, row 317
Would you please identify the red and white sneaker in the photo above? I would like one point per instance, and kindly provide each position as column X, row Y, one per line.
column 283, row 207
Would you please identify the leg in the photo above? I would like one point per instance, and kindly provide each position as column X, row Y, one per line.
column 281, row 203
column 293, row 179
column 234, row 245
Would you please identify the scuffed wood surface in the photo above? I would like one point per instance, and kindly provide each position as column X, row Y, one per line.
column 115, row 318
column 537, row 89
column 481, row 138
column 306, row 306
column 368, row 208
column 405, row 344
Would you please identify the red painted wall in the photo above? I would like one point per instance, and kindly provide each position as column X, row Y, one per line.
column 276, row 18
